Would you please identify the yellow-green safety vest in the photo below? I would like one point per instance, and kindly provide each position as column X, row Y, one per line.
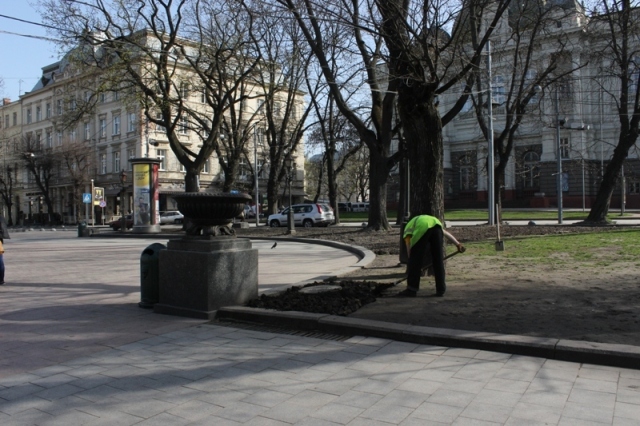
column 418, row 226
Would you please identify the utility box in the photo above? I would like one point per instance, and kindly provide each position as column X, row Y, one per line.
column 150, row 275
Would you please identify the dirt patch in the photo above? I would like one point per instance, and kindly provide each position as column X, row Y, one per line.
column 579, row 301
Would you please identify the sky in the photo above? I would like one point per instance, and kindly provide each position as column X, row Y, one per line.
column 22, row 57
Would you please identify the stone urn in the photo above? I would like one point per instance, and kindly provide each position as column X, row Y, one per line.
column 209, row 267
column 211, row 214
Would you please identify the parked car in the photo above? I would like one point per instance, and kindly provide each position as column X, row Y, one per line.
column 359, row 207
column 344, row 207
column 307, row 215
column 117, row 224
column 171, row 217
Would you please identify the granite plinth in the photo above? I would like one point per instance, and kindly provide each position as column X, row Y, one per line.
column 200, row 275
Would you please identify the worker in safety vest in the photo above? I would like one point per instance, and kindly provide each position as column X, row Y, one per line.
column 423, row 233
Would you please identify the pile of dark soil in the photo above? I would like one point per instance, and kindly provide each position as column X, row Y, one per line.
column 352, row 296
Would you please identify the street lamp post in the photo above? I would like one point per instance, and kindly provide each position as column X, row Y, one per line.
column 255, row 175
column 288, row 164
column 490, row 149
column 558, row 159
column 123, row 181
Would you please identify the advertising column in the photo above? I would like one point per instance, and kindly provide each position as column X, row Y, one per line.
column 146, row 200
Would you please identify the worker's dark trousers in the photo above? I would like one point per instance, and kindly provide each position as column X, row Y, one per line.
column 431, row 241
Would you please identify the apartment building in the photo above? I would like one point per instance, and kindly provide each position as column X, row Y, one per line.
column 91, row 133
column 575, row 119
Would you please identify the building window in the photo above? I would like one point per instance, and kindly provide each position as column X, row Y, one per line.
column 15, row 118
column 497, row 91
column 59, row 138
column 132, row 122
column 531, row 171
column 161, row 154
column 116, row 125
column 29, row 116
column 565, row 148
column 49, row 139
column 467, row 173
column 159, row 127
column 205, row 167
column 131, row 153
column 244, row 170
column 87, row 96
column 73, row 104
column 103, row 128
column 116, row 95
column 116, row 162
column 262, row 168
column 38, row 113
column 6, row 120
column 72, row 135
column 184, row 90
column 103, row 164
column 183, row 126
column 59, row 107
column 101, row 97
column 38, row 141
column 203, row 95
column 260, row 106
column 48, row 110
column 87, row 131
column 468, row 105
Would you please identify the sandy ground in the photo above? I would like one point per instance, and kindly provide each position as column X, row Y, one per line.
column 585, row 303
column 582, row 301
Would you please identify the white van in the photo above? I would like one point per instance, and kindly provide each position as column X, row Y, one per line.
column 359, row 207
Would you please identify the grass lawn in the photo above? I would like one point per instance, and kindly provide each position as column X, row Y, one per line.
column 598, row 248
column 472, row 214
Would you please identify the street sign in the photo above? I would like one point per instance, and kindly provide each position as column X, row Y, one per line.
column 103, row 204
column 86, row 198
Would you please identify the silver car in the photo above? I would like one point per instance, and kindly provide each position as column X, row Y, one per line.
column 171, row 217
column 307, row 215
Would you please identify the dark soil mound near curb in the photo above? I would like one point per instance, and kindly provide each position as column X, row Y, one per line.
column 352, row 296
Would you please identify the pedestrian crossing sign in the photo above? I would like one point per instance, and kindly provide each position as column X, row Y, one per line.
column 86, row 198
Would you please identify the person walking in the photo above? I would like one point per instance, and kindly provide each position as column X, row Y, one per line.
column 4, row 235
column 424, row 233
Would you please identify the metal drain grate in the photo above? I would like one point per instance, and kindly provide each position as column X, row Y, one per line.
column 281, row 330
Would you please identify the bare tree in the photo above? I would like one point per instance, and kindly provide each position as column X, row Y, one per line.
column 8, row 178
column 160, row 52
column 350, row 57
column 615, row 38
column 76, row 161
column 340, row 143
column 42, row 164
column 283, row 112
column 528, row 58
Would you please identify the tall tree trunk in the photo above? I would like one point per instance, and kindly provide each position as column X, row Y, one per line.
column 600, row 207
column 402, row 200
column 191, row 183
column 332, row 186
column 423, row 132
column 379, row 172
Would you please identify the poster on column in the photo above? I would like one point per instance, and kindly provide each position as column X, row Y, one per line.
column 141, row 194
column 156, row 194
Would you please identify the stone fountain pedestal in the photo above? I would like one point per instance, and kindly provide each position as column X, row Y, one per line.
column 209, row 267
column 199, row 276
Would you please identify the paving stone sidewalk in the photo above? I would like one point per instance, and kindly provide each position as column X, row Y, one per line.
column 214, row 374
column 221, row 374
